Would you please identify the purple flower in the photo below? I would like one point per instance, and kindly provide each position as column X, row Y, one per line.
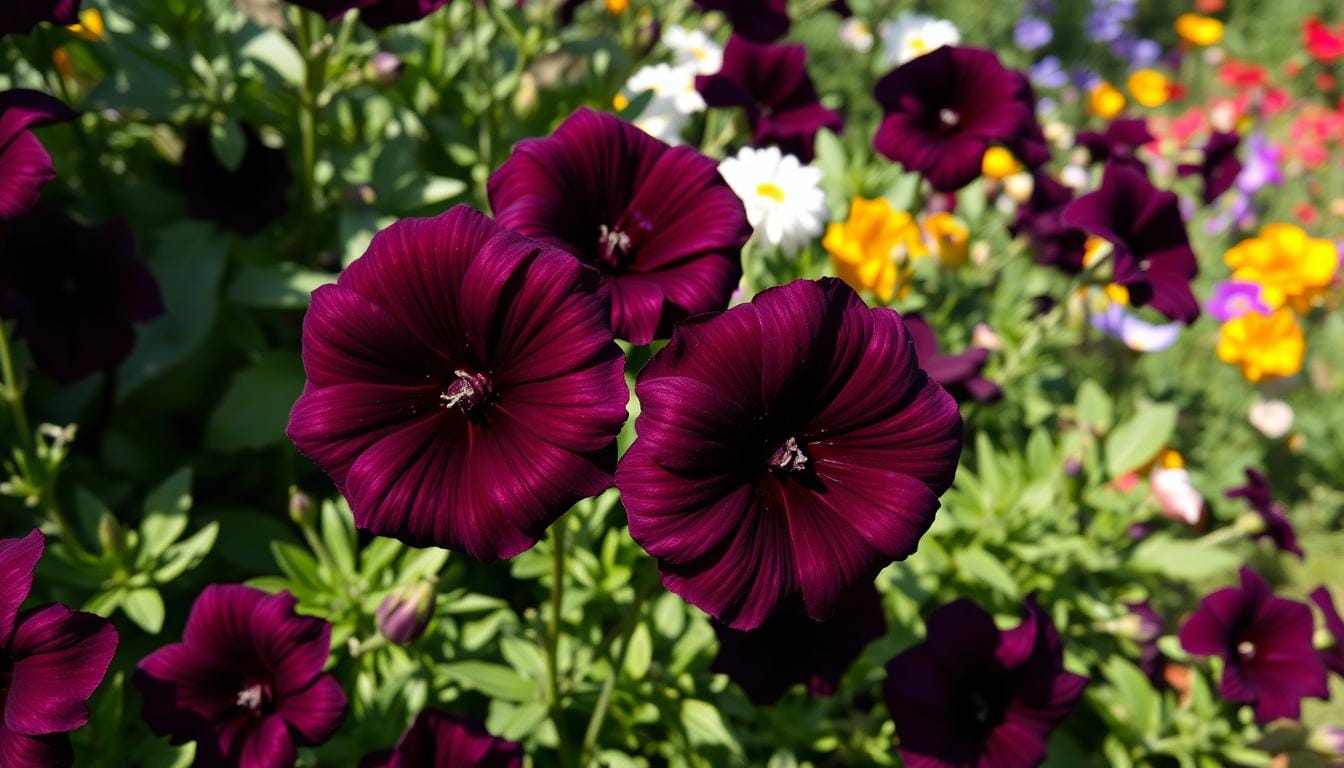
column 1120, row 143
column 246, row 682
column 463, row 387
column 1231, row 299
column 945, row 108
column 21, row 16
column 1134, row 333
column 1265, row 644
column 1150, row 627
column 788, row 449
column 1151, row 253
column 51, row 661
column 974, row 695
column 25, row 166
column 789, row 649
column 245, row 199
column 1263, row 165
column 1219, row 167
column 74, row 291
column 1334, row 625
column 659, row 223
column 770, row 82
column 1040, row 221
column 1278, row 528
column 376, row 14
column 761, row 20
column 1136, row 51
column 959, row 374
column 439, row 739
column 1048, row 73
column 1032, row 32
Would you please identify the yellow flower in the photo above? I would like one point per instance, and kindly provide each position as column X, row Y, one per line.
column 1265, row 346
column 1199, row 30
column 1149, row 87
column 619, row 102
column 998, row 163
column 1290, row 266
column 1105, row 101
column 90, row 26
column 617, row 7
column 949, row 237
column 872, row 250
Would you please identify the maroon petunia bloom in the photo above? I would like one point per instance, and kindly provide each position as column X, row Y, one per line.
column 790, row 649
column 658, row 222
column 960, row 373
column 1334, row 655
column 1219, row 166
column 1119, row 143
column 1040, row 222
column 761, row 20
column 74, row 291
column 51, row 661
column 1265, row 643
column 788, row 449
column 19, row 17
column 246, row 682
column 770, row 82
column 974, row 695
column 1151, row 254
column 1278, row 528
column 245, row 199
column 463, row 386
column 25, row 166
column 1150, row 627
column 945, row 108
column 441, row 740
column 376, row 14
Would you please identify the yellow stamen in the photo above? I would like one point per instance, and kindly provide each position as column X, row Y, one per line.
column 771, row 190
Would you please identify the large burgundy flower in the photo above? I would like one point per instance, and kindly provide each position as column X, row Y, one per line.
column 770, row 82
column 1265, row 643
column 1218, row 166
column 1119, row 143
column 974, row 695
column 439, row 740
column 25, row 166
column 245, row 199
column 790, row 649
column 960, row 373
column 1278, row 528
column 74, row 291
column 1151, row 254
column 19, row 17
column 945, row 108
column 51, row 661
column 1040, row 222
column 1333, row 656
column 376, row 14
column 246, row 682
column 788, row 449
column 760, row 20
column 463, row 387
column 659, row 222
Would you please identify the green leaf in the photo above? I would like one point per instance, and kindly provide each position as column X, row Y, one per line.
column 276, row 286
column 1181, row 559
column 187, row 554
column 1141, row 704
column 494, row 680
column 1094, row 407
column 639, row 656
column 274, row 50
column 1137, row 440
column 144, row 606
column 338, row 535
column 105, row 603
column 987, row 569
column 229, row 143
column 165, row 515
column 255, row 409
column 297, row 564
column 704, row 725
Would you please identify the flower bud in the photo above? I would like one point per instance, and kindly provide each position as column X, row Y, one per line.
column 1327, row 741
column 406, row 612
column 301, row 508
column 385, row 67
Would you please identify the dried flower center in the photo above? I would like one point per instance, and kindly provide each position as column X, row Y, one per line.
column 788, row 457
column 468, row 391
column 613, row 247
column 1246, row 650
column 949, row 117
column 254, row 696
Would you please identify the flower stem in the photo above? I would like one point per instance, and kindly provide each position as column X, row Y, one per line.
column 13, row 393
column 553, row 638
column 609, row 685
column 309, row 27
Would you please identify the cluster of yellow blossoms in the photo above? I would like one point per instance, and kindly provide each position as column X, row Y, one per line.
column 874, row 249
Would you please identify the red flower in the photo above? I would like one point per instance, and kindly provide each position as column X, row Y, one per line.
column 1324, row 45
column 1241, row 75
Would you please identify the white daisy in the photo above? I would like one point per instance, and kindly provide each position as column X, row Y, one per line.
column 694, row 48
column 674, row 100
column 783, row 197
column 913, row 34
column 856, row 35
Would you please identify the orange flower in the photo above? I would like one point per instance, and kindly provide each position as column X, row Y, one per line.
column 1197, row 30
column 1105, row 101
column 872, row 250
column 1265, row 346
column 1149, row 87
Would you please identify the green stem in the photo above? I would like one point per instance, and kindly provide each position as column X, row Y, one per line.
column 13, row 394
column 553, row 638
column 310, row 29
column 609, row 685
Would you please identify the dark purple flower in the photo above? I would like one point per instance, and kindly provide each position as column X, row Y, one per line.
column 945, row 108
column 1040, row 221
column 245, row 199
column 1150, row 626
column 1265, row 643
column 376, row 14
column 658, row 222
column 1334, row 655
column 1120, row 143
column 74, row 291
column 1151, row 254
column 404, row 615
column 788, row 449
column 770, row 82
column 974, row 695
column 19, row 17
column 789, row 649
column 25, row 166
column 1219, row 166
column 761, row 20
column 463, row 387
column 246, row 682
column 51, row 661
column 1278, row 528
column 960, row 373
column 439, row 740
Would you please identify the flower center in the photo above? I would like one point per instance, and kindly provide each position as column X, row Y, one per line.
column 918, row 45
column 1246, row 650
column 468, row 391
column 254, row 697
column 771, row 190
column 613, row 247
column 949, row 117
column 788, row 457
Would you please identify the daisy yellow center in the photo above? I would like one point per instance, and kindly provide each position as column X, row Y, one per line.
column 620, row 102
column 699, row 54
column 771, row 190
column 918, row 45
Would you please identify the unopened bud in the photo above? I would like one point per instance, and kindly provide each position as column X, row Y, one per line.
column 385, row 67
column 1327, row 741
column 406, row 612
column 111, row 536
column 301, row 508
